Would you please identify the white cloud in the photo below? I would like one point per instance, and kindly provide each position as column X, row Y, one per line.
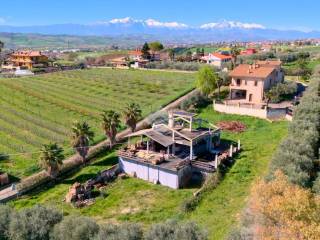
column 232, row 24
column 123, row 20
column 154, row 23
column 158, row 24
column 149, row 22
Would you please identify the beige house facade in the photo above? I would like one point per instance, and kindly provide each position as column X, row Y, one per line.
column 250, row 82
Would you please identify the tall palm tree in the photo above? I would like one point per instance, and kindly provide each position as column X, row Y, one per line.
column 110, row 124
column 132, row 113
column 51, row 158
column 235, row 52
column 81, row 137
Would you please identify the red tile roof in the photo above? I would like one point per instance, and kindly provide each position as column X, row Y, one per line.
column 27, row 54
column 135, row 53
column 221, row 56
column 251, row 71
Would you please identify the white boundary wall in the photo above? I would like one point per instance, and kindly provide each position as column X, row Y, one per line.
column 272, row 113
column 231, row 109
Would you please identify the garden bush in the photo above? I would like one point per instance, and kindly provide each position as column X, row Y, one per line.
column 195, row 102
column 282, row 91
column 184, row 66
column 127, row 231
column 298, row 154
column 75, row 228
column 41, row 223
column 5, row 216
column 175, row 231
column 34, row 223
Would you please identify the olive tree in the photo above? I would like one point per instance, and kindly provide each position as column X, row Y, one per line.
column 34, row 223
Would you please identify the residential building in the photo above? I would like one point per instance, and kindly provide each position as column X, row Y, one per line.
column 28, row 59
column 217, row 59
column 169, row 154
column 250, row 82
column 248, row 51
column 136, row 55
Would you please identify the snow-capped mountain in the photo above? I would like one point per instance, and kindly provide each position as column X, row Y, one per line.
column 167, row 31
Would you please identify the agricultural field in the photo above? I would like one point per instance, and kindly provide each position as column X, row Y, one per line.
column 41, row 109
column 139, row 201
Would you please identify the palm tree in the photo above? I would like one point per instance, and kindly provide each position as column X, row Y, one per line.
column 110, row 123
column 81, row 137
column 51, row 158
column 235, row 51
column 132, row 114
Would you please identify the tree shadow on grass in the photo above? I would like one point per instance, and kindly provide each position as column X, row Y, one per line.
column 4, row 157
column 106, row 161
column 81, row 178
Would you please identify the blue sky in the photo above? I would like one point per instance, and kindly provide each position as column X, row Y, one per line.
column 281, row 14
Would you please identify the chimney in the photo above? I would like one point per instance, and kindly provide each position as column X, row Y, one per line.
column 171, row 119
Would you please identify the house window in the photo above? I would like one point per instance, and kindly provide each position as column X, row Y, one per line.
column 245, row 82
column 238, row 82
column 256, row 83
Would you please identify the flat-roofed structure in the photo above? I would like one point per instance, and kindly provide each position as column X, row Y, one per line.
column 166, row 153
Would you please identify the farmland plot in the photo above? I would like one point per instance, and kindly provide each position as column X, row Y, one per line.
column 41, row 109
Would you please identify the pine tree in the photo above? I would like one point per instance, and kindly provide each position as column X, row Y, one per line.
column 145, row 51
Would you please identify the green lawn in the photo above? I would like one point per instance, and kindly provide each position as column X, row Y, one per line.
column 139, row 201
column 39, row 109
column 311, row 64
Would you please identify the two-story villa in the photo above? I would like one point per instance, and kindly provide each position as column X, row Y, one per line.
column 217, row 59
column 29, row 59
column 251, row 81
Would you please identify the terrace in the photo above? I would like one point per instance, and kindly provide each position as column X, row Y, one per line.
column 173, row 148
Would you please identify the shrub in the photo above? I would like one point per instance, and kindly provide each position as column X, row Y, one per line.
column 298, row 153
column 189, row 231
column 184, row 66
column 127, row 231
column 196, row 101
column 285, row 209
column 5, row 217
column 316, row 185
column 174, row 231
column 33, row 181
column 33, row 223
column 162, row 231
column 282, row 91
column 158, row 117
column 75, row 228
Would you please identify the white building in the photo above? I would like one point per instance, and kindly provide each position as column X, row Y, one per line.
column 217, row 59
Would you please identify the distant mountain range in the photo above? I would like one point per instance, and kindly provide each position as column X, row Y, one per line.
column 169, row 32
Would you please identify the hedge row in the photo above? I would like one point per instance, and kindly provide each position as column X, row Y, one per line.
column 43, row 223
column 298, row 154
